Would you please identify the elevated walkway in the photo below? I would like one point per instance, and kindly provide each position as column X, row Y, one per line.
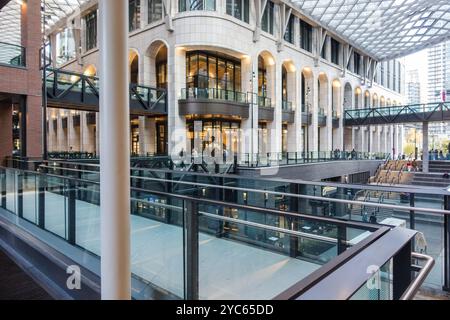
column 431, row 112
column 71, row 90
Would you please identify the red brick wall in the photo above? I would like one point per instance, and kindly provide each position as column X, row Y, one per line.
column 34, row 127
column 25, row 81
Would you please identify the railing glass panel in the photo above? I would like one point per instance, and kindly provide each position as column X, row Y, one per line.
column 11, row 54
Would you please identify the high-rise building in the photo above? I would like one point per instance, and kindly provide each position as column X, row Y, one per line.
column 439, row 72
column 413, row 86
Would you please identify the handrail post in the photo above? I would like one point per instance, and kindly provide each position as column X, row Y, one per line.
column 71, row 211
column 446, row 285
column 20, row 176
column 402, row 274
column 341, row 238
column 41, row 201
column 191, row 251
column 293, row 207
column 3, row 188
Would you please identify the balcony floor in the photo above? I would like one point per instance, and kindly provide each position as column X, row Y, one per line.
column 227, row 269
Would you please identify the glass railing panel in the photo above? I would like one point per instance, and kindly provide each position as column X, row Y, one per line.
column 430, row 240
column 12, row 55
column 238, row 261
column 11, row 191
column 157, row 242
column 55, row 205
column 379, row 286
column 87, row 216
column 30, row 197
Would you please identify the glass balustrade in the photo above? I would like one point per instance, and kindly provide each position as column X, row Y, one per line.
column 233, row 239
column 12, row 55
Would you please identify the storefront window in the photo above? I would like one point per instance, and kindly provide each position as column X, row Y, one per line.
column 91, row 30
column 284, row 132
column 305, row 36
column 206, row 70
column 221, row 135
column 262, row 78
column 155, row 10
column 267, row 20
column 65, row 46
column 284, row 84
column 134, row 11
column 238, row 9
column 194, row 5
column 289, row 33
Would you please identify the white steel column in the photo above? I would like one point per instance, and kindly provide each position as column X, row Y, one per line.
column 115, row 153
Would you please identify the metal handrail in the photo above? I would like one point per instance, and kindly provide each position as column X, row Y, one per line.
column 409, row 189
column 323, row 219
column 423, row 273
column 310, row 197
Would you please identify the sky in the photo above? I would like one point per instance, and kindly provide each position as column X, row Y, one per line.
column 418, row 61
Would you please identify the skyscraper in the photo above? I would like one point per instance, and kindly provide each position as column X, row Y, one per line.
column 439, row 72
column 413, row 86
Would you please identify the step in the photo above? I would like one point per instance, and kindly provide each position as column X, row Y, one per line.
column 432, row 184
column 431, row 180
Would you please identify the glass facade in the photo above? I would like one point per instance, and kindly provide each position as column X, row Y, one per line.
column 155, row 10
column 134, row 12
column 209, row 70
column 335, row 48
column 239, row 9
column 262, row 78
column 284, row 88
column 289, row 33
column 357, row 63
column 91, row 30
column 195, row 5
column 220, row 135
column 305, row 36
column 267, row 20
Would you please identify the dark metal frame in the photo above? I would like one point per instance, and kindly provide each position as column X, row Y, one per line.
column 397, row 114
column 87, row 98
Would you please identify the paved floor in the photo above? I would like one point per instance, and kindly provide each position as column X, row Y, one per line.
column 15, row 284
column 227, row 269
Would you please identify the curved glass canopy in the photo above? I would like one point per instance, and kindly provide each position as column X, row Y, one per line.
column 55, row 10
column 384, row 29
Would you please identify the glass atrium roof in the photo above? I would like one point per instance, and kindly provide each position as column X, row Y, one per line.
column 54, row 11
column 384, row 29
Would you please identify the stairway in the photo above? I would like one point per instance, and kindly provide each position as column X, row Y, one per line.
column 437, row 166
column 430, row 180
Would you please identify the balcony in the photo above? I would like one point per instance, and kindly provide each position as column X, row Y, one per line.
column 12, row 55
column 265, row 109
column 306, row 114
column 212, row 101
column 287, row 112
column 336, row 118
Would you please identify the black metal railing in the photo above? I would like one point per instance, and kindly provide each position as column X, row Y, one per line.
column 317, row 233
column 65, row 87
column 213, row 94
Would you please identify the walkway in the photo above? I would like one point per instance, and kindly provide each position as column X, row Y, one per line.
column 15, row 284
